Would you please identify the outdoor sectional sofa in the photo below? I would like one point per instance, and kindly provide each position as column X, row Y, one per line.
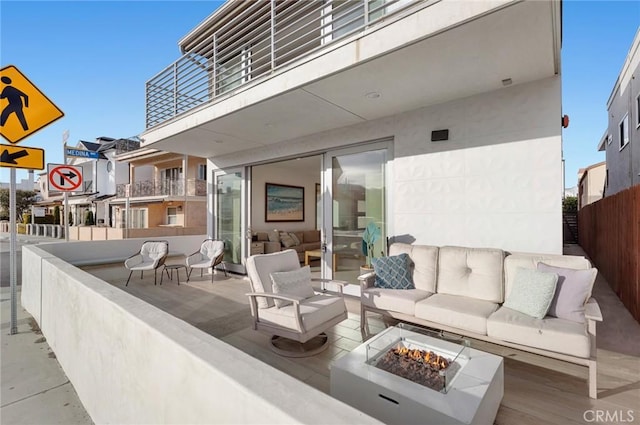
column 461, row 290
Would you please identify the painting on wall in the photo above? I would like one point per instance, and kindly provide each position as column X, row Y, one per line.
column 284, row 203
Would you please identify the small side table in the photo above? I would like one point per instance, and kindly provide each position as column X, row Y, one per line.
column 176, row 267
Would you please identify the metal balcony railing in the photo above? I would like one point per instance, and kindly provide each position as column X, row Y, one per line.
column 259, row 37
column 193, row 187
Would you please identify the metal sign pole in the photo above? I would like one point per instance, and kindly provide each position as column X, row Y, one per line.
column 66, row 196
column 12, row 252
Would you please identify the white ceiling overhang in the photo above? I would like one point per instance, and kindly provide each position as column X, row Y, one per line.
column 519, row 41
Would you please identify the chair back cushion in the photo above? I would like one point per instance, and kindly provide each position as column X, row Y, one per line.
column 210, row 249
column 154, row 250
column 471, row 272
column 260, row 267
column 424, row 263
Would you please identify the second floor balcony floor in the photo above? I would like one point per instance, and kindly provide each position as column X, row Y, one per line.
column 180, row 187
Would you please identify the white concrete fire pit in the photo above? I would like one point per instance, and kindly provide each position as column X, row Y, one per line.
column 444, row 382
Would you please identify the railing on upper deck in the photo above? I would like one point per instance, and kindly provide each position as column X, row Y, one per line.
column 193, row 187
column 262, row 36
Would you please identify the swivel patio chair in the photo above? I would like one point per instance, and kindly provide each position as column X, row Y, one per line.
column 152, row 256
column 285, row 305
column 210, row 254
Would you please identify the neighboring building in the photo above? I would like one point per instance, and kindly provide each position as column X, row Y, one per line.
column 571, row 191
column 437, row 120
column 621, row 141
column 167, row 194
column 23, row 184
column 591, row 183
column 100, row 177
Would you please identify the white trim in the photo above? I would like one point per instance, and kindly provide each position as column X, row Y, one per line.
column 625, row 121
column 638, row 111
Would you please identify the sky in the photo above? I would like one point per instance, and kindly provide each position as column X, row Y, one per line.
column 92, row 59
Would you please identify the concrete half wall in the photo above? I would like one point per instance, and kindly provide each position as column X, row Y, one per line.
column 131, row 362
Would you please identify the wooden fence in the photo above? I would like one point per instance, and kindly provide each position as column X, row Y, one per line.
column 609, row 232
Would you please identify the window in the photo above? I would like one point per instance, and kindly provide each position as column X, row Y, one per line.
column 638, row 111
column 171, row 173
column 109, row 166
column 609, row 139
column 172, row 215
column 138, row 217
column 624, row 131
column 202, row 171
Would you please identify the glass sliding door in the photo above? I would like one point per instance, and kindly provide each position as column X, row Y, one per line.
column 356, row 181
column 229, row 216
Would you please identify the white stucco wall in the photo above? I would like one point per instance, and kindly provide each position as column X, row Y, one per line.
column 132, row 363
column 497, row 181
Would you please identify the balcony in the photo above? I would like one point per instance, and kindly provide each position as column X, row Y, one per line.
column 255, row 39
column 188, row 187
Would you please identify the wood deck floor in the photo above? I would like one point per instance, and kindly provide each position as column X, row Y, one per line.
column 537, row 390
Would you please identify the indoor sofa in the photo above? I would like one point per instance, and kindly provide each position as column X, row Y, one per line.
column 463, row 291
column 278, row 240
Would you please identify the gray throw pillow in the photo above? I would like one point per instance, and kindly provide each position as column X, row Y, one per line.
column 532, row 292
column 572, row 292
column 295, row 238
column 295, row 283
column 274, row 236
column 286, row 240
column 393, row 272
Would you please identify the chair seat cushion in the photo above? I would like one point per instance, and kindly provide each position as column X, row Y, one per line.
column 199, row 264
column 401, row 301
column 145, row 265
column 315, row 311
column 550, row 333
column 458, row 312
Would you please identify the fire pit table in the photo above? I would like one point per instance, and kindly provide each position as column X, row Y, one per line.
column 409, row 375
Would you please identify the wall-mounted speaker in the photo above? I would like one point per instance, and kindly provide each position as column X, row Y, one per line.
column 439, row 135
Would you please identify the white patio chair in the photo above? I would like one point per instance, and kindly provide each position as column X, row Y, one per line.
column 297, row 329
column 210, row 254
column 152, row 255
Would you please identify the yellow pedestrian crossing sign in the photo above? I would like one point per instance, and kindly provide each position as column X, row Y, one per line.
column 24, row 109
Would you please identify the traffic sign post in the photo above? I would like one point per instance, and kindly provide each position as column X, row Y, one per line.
column 21, row 157
column 24, row 110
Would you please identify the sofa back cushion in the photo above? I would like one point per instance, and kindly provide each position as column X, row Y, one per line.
column 424, row 261
column 311, row 236
column 530, row 261
column 471, row 272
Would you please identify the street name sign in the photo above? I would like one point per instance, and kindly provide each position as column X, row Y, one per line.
column 81, row 153
column 65, row 178
column 24, row 108
column 21, row 157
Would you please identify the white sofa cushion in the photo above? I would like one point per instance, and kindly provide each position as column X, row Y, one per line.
column 425, row 263
column 471, row 272
column 455, row 311
column 315, row 311
column 530, row 261
column 550, row 333
column 399, row 300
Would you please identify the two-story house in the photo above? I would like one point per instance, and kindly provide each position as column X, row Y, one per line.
column 440, row 121
column 165, row 195
column 591, row 183
column 621, row 141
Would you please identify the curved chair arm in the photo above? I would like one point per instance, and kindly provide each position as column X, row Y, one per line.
column 190, row 256
column 341, row 283
column 133, row 261
column 254, row 305
column 367, row 280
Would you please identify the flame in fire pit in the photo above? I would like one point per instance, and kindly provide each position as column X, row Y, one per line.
column 423, row 356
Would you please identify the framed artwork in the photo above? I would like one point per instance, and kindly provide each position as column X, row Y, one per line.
column 283, row 203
